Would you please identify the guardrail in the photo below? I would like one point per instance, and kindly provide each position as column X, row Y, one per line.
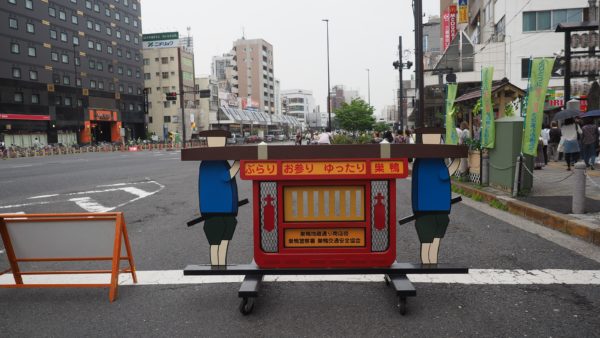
column 18, row 152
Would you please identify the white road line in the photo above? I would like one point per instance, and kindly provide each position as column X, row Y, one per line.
column 475, row 277
column 89, row 205
column 24, row 205
column 112, row 185
column 41, row 196
column 138, row 192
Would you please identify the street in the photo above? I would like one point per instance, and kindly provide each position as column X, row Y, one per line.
column 526, row 280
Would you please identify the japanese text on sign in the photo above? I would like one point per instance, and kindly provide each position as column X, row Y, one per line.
column 339, row 237
column 260, row 169
column 324, row 168
column 387, row 167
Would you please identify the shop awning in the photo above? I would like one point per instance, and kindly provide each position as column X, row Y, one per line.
column 503, row 85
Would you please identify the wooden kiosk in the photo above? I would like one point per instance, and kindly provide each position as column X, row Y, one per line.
column 326, row 209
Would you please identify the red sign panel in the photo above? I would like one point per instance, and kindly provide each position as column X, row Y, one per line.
column 446, row 29
column 24, row 117
column 452, row 19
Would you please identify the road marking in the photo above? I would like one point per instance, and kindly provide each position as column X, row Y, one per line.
column 475, row 277
column 41, row 196
column 88, row 204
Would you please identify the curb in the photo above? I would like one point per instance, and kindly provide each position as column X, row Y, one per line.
column 548, row 218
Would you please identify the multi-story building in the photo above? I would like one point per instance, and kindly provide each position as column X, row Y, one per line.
column 222, row 70
column 254, row 79
column 505, row 34
column 340, row 94
column 300, row 104
column 70, row 71
column 168, row 68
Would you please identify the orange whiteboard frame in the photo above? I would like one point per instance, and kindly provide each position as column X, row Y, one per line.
column 120, row 236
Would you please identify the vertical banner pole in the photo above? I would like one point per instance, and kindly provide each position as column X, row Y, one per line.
column 116, row 260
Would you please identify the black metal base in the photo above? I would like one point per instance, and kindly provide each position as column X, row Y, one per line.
column 395, row 275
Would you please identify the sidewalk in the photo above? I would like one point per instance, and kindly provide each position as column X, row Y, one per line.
column 549, row 202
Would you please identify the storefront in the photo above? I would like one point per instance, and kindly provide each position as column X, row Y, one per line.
column 101, row 126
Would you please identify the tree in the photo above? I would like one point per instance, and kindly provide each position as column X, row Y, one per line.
column 356, row 116
column 381, row 127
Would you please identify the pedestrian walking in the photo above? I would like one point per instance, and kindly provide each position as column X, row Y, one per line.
column 464, row 134
column 554, row 136
column 570, row 132
column 545, row 139
column 590, row 142
column 298, row 138
column 325, row 138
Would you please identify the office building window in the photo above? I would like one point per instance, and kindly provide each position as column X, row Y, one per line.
column 74, row 1
column 109, row 49
column 15, row 48
column 96, row 8
column 68, row 101
column 33, row 75
column 120, row 70
column 75, row 40
column 79, row 103
column 52, row 12
column 119, row 52
column 99, row 66
column 74, row 19
column 88, row 4
column 90, row 25
column 146, row 62
column 147, row 76
column 77, row 61
column 126, row 19
column 164, row 60
column 121, row 89
column 92, row 64
column 108, row 31
column 165, row 75
column 127, row 38
column 57, row 100
column 110, row 68
column 135, row 23
column 66, row 80
column 107, row 12
column 29, row 4
column 53, row 34
column 117, row 16
column 14, row 2
column 78, row 83
column 93, row 84
column 62, row 15
column 63, row 37
column 30, row 28
column 90, row 44
column 18, row 97
column 167, row 118
column 136, row 40
column 100, row 85
column 128, row 54
column 129, row 72
column 54, row 56
column 98, row 46
column 35, row 98
column 548, row 20
column 97, row 27
column 118, row 34
column 111, row 86
column 130, row 90
column 16, row 73
column 31, row 51
column 12, row 23
column 64, row 58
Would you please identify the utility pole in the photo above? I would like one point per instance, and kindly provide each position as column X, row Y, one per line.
column 181, row 94
column 369, row 85
column 418, row 11
column 400, row 115
column 328, row 79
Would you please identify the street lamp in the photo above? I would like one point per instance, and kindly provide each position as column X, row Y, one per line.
column 328, row 79
column 369, row 85
column 400, row 66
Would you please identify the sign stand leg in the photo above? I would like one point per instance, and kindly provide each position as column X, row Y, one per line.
column 128, row 247
column 403, row 287
column 116, row 262
column 14, row 265
column 248, row 291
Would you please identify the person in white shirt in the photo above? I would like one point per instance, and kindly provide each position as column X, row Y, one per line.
column 325, row 138
column 569, row 131
column 545, row 139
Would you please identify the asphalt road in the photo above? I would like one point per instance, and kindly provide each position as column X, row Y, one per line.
column 157, row 193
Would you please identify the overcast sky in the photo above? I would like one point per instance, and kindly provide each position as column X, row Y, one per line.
column 362, row 34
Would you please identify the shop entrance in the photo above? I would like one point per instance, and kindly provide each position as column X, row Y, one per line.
column 101, row 131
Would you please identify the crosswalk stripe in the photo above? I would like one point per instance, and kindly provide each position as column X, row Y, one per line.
column 474, row 277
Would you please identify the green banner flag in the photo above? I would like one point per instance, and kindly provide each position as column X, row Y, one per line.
column 488, row 131
column 451, row 134
column 541, row 68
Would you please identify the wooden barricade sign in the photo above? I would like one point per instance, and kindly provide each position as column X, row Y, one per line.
column 75, row 237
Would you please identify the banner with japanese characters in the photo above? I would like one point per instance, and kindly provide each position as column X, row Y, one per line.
column 488, row 129
column 451, row 134
column 536, row 95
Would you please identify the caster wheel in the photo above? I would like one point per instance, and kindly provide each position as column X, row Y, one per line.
column 402, row 305
column 246, row 306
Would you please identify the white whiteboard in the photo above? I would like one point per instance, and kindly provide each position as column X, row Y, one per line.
column 63, row 239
